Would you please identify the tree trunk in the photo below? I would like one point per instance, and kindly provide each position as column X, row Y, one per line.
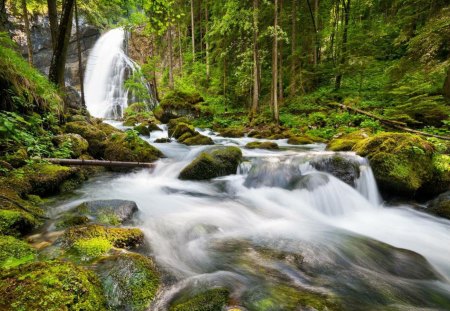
column 26, row 21
column 317, row 43
column 180, row 49
column 280, row 62
column 344, row 44
column 208, row 69
column 193, row 30
column 4, row 25
column 276, row 116
column 293, row 86
column 255, row 100
column 57, row 67
column 447, row 85
column 53, row 18
column 80, row 58
column 170, row 58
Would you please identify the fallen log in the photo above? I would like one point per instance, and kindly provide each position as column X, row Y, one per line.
column 394, row 124
column 104, row 163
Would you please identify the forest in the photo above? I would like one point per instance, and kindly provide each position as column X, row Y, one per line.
column 212, row 155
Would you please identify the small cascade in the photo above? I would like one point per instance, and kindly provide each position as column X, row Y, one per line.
column 107, row 69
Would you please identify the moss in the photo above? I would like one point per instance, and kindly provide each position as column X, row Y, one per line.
column 207, row 165
column 178, row 104
column 180, row 129
column 137, row 113
column 16, row 223
column 68, row 221
column 210, row 300
column 233, row 132
column 198, row 140
column 50, row 286
column 262, row 145
column 185, row 136
column 130, row 281
column 300, row 140
column 142, row 129
column 18, row 158
column 14, row 252
column 75, row 142
column 128, row 147
column 440, row 206
column 119, row 237
column 347, row 141
column 402, row 163
column 92, row 248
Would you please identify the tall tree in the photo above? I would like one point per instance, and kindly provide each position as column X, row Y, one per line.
column 57, row 67
column 293, row 71
column 447, row 85
column 208, row 65
column 276, row 115
column 53, row 19
column 80, row 57
column 26, row 22
column 193, row 29
column 256, row 75
column 343, row 55
column 169, row 35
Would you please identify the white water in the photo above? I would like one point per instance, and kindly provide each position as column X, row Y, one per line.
column 107, row 69
column 187, row 223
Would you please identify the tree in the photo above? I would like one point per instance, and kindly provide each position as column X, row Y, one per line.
column 80, row 59
column 53, row 19
column 447, row 85
column 4, row 24
column 343, row 55
column 276, row 115
column 169, row 35
column 193, row 29
column 26, row 22
column 256, row 75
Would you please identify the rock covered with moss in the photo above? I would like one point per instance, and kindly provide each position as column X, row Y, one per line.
column 130, row 281
column 51, row 286
column 344, row 168
column 211, row 300
column 95, row 137
column 405, row 164
column 108, row 212
column 440, row 206
column 300, row 140
column 212, row 164
column 14, row 252
column 178, row 104
column 346, row 142
column 185, row 133
column 232, row 132
column 75, row 142
column 268, row 145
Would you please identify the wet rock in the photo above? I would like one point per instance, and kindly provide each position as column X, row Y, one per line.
column 52, row 285
column 109, row 212
column 340, row 167
column 311, row 181
column 212, row 164
column 72, row 98
column 440, row 206
column 210, row 300
column 300, row 140
column 163, row 140
column 272, row 173
column 125, row 147
column 130, row 281
column 142, row 130
column 262, row 145
column 197, row 140
column 232, row 132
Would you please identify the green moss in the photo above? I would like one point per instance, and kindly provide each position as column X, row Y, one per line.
column 197, row 140
column 262, row 145
column 51, row 286
column 92, row 248
column 95, row 137
column 210, row 300
column 347, row 141
column 142, row 130
column 18, row 158
column 207, row 165
column 68, row 221
column 130, row 147
column 300, row 140
column 178, row 104
column 14, row 252
column 75, row 142
column 16, row 223
column 119, row 237
column 185, row 136
column 180, row 129
column 130, row 281
column 233, row 132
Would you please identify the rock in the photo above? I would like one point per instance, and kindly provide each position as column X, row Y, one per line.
column 52, row 285
column 212, row 164
column 178, row 104
column 180, row 129
column 14, row 252
column 232, row 132
column 405, row 164
column 197, row 140
column 95, row 137
column 75, row 142
column 210, row 300
column 18, row 158
column 142, row 130
column 345, row 142
column 300, row 140
column 108, row 212
column 130, row 281
column 130, row 147
column 67, row 221
column 340, row 167
column 72, row 98
column 16, row 222
column 163, row 140
column 440, row 206
column 262, row 145
column 89, row 249
column 118, row 237
column 138, row 113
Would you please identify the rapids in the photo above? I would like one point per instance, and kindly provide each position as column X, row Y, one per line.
column 371, row 255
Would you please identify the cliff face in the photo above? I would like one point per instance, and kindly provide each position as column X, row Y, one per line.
column 42, row 46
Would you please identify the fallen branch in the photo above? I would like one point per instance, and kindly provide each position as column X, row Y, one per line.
column 81, row 162
column 394, row 124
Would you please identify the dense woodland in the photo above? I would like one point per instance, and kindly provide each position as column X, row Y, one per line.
column 367, row 76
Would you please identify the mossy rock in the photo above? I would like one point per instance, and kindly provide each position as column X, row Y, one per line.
column 137, row 113
column 95, row 137
column 67, row 221
column 178, row 104
column 440, row 206
column 51, row 286
column 119, row 237
column 232, row 132
column 268, row 145
column 180, row 129
column 14, row 252
column 345, row 142
column 18, row 158
column 142, row 130
column 107, row 212
column 197, row 140
column 16, row 222
column 212, row 164
column 343, row 168
column 300, row 140
column 5, row 168
column 402, row 163
column 163, row 140
column 75, row 142
column 89, row 249
column 129, row 147
column 130, row 281
column 211, row 300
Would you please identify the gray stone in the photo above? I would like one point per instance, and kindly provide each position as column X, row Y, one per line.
column 120, row 210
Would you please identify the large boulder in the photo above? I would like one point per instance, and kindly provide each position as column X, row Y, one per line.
column 130, row 281
column 212, row 164
column 108, row 212
column 178, row 104
column 74, row 142
column 268, row 145
column 52, row 285
column 209, row 300
column 405, row 164
column 440, row 206
column 345, row 169
column 185, row 133
column 345, row 142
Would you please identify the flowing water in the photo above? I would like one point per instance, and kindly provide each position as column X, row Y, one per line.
column 107, row 69
column 281, row 222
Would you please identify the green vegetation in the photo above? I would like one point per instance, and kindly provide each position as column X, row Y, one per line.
column 14, row 252
column 262, row 145
column 91, row 248
column 210, row 300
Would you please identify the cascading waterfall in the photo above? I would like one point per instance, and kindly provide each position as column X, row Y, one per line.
column 107, row 69
column 291, row 204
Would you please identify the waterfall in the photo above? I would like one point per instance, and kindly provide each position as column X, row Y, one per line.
column 107, row 69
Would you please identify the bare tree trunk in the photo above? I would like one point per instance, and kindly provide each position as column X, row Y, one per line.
column 276, row 116
column 447, row 85
column 280, row 63
column 344, row 44
column 317, row 43
column 180, row 49
column 53, row 18
column 80, row 58
column 193, row 30
column 208, row 69
column 57, row 67
column 26, row 21
column 170, row 58
column 293, row 86
column 255, row 100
